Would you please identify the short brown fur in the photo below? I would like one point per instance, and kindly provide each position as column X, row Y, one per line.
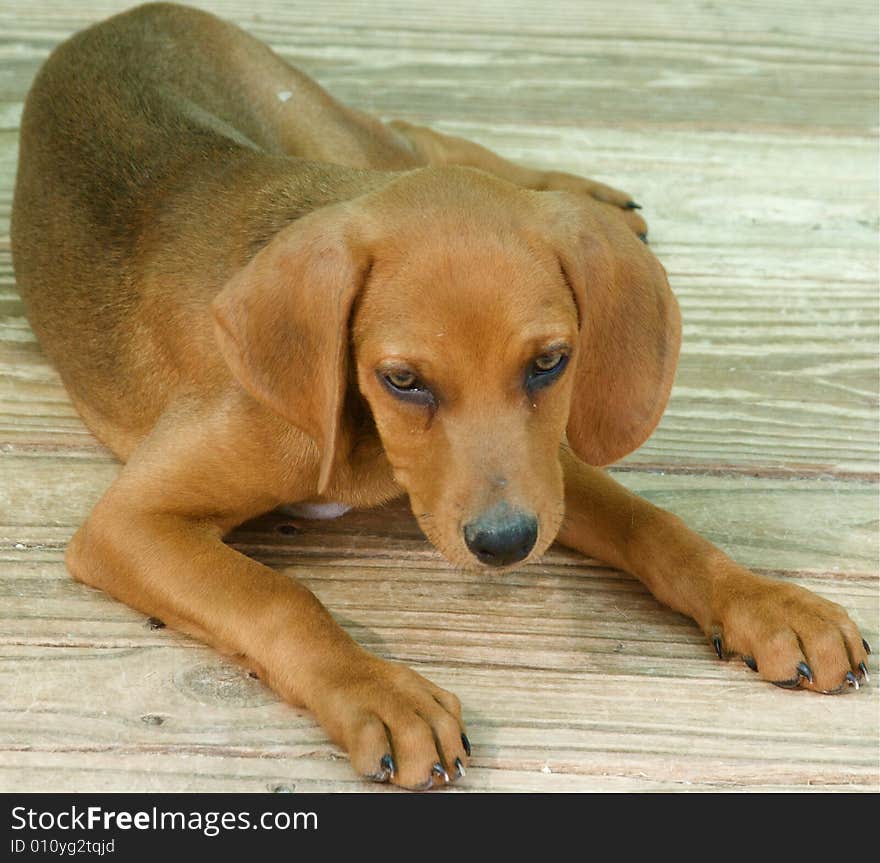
column 225, row 265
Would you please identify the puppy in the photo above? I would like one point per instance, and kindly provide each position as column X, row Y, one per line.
column 257, row 296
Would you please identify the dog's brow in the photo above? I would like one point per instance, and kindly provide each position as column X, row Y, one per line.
column 541, row 337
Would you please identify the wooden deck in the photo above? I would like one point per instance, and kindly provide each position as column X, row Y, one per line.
column 748, row 131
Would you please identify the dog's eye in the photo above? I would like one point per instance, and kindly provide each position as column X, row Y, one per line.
column 406, row 385
column 545, row 369
column 548, row 362
column 402, row 380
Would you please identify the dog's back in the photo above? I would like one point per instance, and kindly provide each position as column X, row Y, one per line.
column 131, row 167
column 99, row 142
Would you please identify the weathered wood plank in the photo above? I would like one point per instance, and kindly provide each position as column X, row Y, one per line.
column 396, row 594
column 79, row 772
column 175, row 711
column 818, row 524
column 705, row 65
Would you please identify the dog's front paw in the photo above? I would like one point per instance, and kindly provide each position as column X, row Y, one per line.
column 396, row 725
column 790, row 636
column 621, row 202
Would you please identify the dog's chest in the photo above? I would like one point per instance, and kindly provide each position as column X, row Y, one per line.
column 322, row 511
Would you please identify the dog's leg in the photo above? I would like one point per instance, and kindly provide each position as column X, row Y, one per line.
column 794, row 637
column 435, row 148
column 154, row 541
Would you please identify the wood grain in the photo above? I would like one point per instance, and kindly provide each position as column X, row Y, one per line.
column 171, row 711
column 748, row 131
column 688, row 63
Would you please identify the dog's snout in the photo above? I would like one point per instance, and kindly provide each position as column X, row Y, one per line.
column 502, row 535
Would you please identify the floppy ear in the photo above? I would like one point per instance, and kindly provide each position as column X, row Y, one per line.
column 282, row 324
column 630, row 332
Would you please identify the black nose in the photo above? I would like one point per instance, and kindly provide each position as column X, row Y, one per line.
column 501, row 535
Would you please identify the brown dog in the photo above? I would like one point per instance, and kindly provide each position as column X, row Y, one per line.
column 257, row 296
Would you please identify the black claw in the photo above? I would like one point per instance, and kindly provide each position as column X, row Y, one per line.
column 438, row 770
column 459, row 767
column 852, row 680
column 750, row 661
column 716, row 643
column 467, row 744
column 632, row 205
column 866, row 646
column 381, row 775
column 804, row 671
column 155, row 623
column 387, row 765
column 864, row 669
column 643, row 238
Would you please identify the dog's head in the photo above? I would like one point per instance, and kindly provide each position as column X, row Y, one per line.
column 482, row 324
